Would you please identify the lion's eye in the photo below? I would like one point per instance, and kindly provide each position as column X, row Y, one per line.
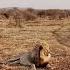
column 46, row 53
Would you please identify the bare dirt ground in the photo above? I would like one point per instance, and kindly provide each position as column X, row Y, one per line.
column 17, row 40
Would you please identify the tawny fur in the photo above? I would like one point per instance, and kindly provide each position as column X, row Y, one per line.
column 41, row 55
column 45, row 56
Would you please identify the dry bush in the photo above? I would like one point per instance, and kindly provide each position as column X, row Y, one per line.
column 41, row 13
column 53, row 13
column 17, row 15
column 31, row 14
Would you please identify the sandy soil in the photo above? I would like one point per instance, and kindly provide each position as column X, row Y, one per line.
column 16, row 40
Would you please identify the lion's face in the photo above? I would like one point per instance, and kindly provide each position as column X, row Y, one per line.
column 44, row 56
column 41, row 54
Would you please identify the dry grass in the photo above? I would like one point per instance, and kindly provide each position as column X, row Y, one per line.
column 15, row 40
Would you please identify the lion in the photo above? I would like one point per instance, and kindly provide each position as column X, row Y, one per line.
column 38, row 57
column 41, row 54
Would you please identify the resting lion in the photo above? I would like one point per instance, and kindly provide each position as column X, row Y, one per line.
column 38, row 57
column 41, row 55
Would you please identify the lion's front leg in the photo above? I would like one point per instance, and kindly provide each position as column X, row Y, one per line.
column 33, row 67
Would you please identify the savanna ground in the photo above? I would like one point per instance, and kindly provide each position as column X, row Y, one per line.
column 16, row 40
